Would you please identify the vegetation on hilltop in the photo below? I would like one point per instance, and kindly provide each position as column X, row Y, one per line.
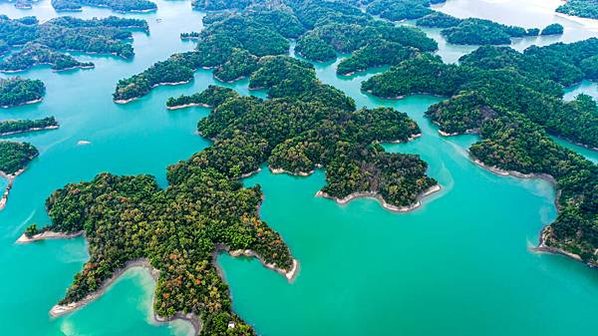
column 553, row 29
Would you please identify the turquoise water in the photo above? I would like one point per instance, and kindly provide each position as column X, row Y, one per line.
column 461, row 264
column 586, row 87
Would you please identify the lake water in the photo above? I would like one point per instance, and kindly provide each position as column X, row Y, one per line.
column 461, row 264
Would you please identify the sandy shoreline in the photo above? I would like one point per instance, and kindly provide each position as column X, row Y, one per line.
column 10, row 178
column 34, row 129
column 385, row 205
column 46, row 235
column 503, row 172
column 59, row 310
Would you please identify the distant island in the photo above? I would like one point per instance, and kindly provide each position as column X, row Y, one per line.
column 11, row 127
column 581, row 8
column 474, row 31
column 45, row 43
column 129, row 6
column 19, row 91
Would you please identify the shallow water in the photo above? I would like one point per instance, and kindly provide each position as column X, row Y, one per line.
column 460, row 264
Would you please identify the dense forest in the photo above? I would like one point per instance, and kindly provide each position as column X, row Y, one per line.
column 115, row 5
column 45, row 42
column 15, row 156
column 514, row 100
column 479, row 31
column 33, row 54
column 205, row 207
column 21, row 126
column 553, row 29
column 18, row 91
column 233, row 42
column 397, row 10
column 581, row 8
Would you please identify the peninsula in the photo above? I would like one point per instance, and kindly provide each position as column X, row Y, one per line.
column 513, row 101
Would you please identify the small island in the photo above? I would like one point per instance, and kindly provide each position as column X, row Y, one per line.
column 11, row 127
column 474, row 31
column 130, row 6
column 19, row 91
column 398, row 10
column 45, row 43
column 34, row 54
column 553, row 29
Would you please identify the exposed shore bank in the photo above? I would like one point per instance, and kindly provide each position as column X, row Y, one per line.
column 23, row 239
column 375, row 195
column 125, row 101
column 33, row 129
column 59, row 310
column 29, row 102
column 289, row 274
column 10, row 178
column 178, row 107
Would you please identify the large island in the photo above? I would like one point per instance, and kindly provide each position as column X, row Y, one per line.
column 205, row 209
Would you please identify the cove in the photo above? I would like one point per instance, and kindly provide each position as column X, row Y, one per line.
column 461, row 264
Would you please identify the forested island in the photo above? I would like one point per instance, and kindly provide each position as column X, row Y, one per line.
column 232, row 43
column 397, row 10
column 513, row 101
column 205, row 209
column 10, row 127
column 581, row 8
column 45, row 43
column 19, row 91
column 474, row 31
column 33, row 54
column 14, row 156
column 117, row 6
